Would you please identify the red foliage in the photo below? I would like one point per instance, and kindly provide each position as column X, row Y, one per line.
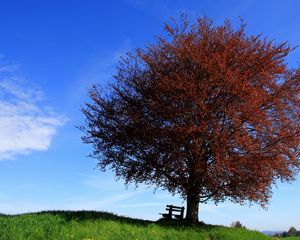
column 207, row 112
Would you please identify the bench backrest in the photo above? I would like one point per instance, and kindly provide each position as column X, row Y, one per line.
column 174, row 208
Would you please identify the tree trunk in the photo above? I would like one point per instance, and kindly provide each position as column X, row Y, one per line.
column 192, row 207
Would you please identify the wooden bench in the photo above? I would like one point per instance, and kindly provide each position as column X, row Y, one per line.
column 170, row 212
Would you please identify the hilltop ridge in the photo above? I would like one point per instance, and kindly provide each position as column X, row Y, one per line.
column 93, row 225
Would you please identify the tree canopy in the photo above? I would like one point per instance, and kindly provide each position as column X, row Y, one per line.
column 206, row 112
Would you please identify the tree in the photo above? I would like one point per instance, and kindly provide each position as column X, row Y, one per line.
column 292, row 232
column 205, row 112
column 237, row 224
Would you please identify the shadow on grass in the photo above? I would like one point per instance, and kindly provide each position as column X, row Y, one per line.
column 94, row 215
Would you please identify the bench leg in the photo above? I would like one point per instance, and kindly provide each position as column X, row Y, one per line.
column 170, row 212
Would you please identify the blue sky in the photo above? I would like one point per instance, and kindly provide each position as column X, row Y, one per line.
column 51, row 52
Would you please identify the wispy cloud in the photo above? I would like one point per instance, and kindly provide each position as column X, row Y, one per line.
column 109, row 203
column 26, row 124
column 102, row 183
column 8, row 68
column 99, row 68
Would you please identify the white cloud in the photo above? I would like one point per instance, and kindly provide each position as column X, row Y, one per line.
column 25, row 123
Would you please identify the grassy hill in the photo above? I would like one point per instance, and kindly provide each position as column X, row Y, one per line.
column 90, row 225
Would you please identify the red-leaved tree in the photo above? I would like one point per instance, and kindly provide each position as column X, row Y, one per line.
column 206, row 112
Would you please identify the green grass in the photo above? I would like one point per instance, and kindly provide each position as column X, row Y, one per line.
column 291, row 238
column 90, row 225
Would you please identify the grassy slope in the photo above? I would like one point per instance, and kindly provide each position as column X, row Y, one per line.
column 89, row 225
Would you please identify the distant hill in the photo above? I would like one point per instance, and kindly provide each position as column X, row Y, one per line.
column 291, row 238
column 271, row 233
column 92, row 225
